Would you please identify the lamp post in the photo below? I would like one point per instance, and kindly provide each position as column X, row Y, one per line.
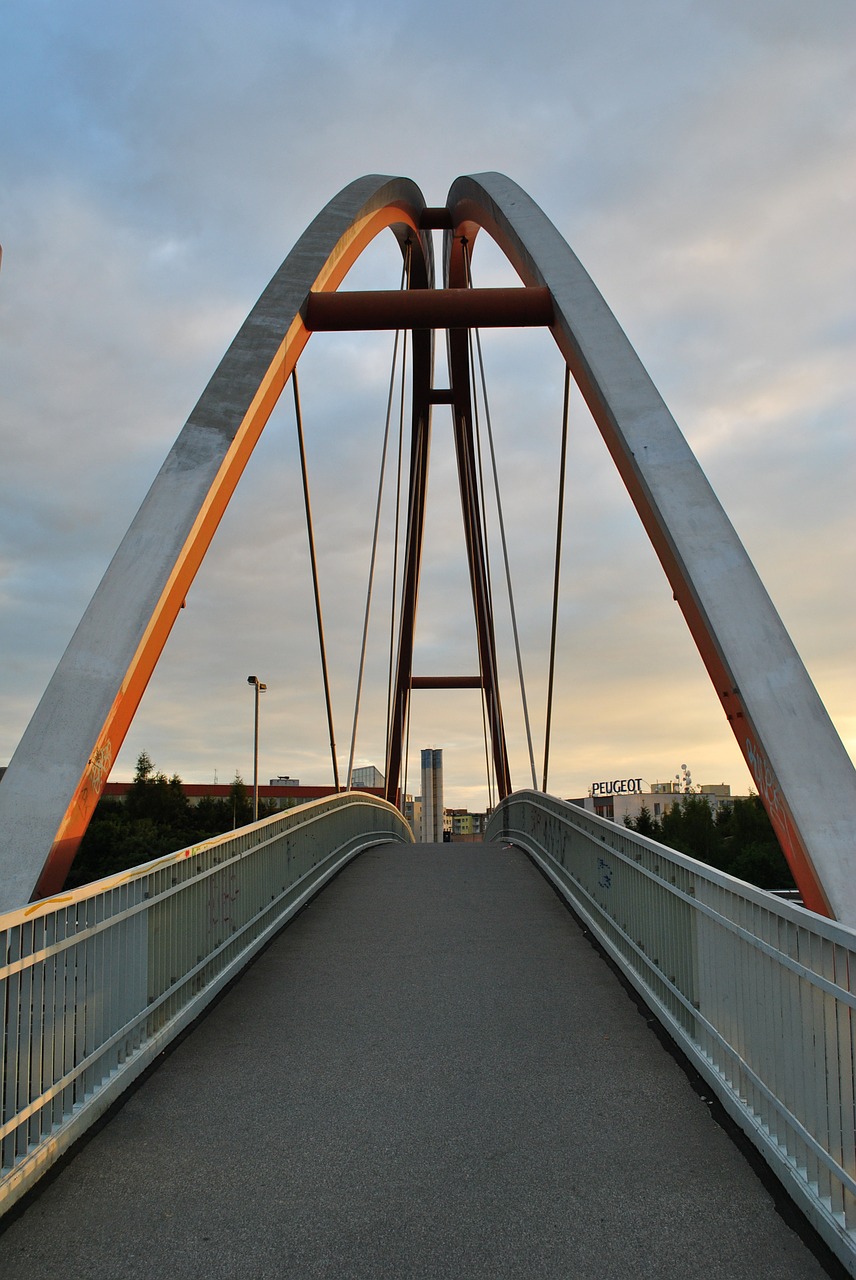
column 259, row 688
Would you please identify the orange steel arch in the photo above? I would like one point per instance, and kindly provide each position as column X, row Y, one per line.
column 803, row 773
column 55, row 777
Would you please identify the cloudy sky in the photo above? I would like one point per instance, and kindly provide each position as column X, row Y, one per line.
column 158, row 160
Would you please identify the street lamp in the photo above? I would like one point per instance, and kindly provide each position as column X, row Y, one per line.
column 260, row 688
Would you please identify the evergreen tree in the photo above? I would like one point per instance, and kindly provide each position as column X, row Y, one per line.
column 645, row 824
column 156, row 818
column 240, row 804
column 739, row 839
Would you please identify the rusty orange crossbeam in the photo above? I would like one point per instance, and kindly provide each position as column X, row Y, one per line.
column 446, row 682
column 428, row 309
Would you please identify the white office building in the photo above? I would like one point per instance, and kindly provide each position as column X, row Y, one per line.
column 624, row 798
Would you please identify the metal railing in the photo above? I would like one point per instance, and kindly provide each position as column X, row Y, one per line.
column 758, row 993
column 94, row 983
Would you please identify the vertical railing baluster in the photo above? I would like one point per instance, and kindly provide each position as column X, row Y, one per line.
column 774, row 982
column 830, row 1136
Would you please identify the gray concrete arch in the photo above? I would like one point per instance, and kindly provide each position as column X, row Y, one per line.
column 55, row 777
column 801, row 769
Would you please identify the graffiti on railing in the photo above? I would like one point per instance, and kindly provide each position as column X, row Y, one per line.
column 604, row 874
column 223, row 892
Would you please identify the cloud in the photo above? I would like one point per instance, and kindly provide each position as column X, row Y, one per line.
column 160, row 164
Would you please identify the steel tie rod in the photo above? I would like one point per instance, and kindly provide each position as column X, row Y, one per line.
column 344, row 310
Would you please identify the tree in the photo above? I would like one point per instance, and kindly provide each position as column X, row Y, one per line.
column 689, row 827
column 751, row 850
column 645, row 824
column 739, row 839
column 240, row 805
column 155, row 819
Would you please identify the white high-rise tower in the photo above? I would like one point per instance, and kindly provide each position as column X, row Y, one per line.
column 432, row 796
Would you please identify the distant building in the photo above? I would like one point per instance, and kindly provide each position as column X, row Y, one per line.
column 412, row 810
column 432, row 796
column 366, row 776
column 284, row 781
column 463, row 825
column 276, row 794
column 627, row 797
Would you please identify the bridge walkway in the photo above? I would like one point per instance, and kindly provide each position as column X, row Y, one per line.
column 430, row 1073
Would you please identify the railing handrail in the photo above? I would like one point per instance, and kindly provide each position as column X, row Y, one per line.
column 834, row 930
column 758, row 992
column 94, row 983
column 309, row 811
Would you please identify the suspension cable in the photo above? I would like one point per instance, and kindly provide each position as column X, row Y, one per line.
column 503, row 540
column 406, row 728
column 397, row 518
column 488, row 584
column 416, row 480
column 478, row 566
column 373, row 557
column 313, row 560
column 490, row 770
column 559, row 524
column 488, row 763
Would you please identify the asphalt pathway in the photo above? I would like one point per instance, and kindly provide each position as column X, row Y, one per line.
column 430, row 1073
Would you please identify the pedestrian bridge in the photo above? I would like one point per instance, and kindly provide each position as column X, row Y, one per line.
column 430, row 1072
